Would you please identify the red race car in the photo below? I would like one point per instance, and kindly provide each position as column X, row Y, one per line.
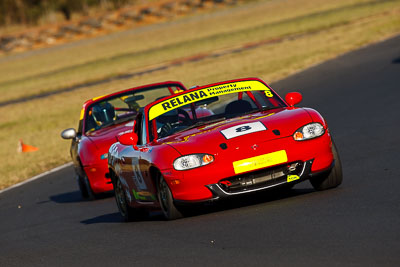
column 101, row 120
column 251, row 140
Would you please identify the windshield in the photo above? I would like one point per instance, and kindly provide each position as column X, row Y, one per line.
column 210, row 104
column 123, row 107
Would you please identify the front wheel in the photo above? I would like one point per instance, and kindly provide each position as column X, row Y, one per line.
column 89, row 191
column 82, row 187
column 333, row 178
column 126, row 211
column 166, row 200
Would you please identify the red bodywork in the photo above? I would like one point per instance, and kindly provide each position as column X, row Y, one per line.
column 137, row 167
column 191, row 186
column 89, row 149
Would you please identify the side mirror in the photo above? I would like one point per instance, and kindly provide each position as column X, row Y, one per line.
column 293, row 98
column 69, row 133
column 128, row 139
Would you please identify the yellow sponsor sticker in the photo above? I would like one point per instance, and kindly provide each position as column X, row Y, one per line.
column 259, row 162
column 191, row 97
column 291, row 178
column 82, row 114
column 268, row 93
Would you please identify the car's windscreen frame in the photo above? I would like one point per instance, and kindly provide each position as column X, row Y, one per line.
column 172, row 88
column 177, row 101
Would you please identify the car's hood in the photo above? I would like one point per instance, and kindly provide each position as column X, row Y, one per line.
column 107, row 136
column 254, row 128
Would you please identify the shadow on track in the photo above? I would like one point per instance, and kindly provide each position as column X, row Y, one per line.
column 245, row 201
column 194, row 210
column 75, row 196
column 117, row 218
column 107, row 218
column 396, row 60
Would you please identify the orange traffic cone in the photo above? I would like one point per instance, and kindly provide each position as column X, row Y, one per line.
column 25, row 148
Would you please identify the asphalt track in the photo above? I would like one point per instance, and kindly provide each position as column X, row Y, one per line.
column 45, row 222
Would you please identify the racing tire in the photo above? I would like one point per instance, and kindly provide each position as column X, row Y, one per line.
column 82, row 187
column 90, row 194
column 166, row 200
column 331, row 180
column 127, row 212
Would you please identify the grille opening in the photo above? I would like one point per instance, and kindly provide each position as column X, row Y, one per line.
column 260, row 178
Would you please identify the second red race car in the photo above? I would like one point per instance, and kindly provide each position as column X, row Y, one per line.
column 102, row 119
column 251, row 140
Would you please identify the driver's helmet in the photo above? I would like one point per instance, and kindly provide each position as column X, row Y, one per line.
column 103, row 113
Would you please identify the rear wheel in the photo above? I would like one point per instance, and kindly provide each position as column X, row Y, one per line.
column 333, row 178
column 166, row 200
column 127, row 212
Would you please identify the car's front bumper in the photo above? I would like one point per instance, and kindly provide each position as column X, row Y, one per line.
column 97, row 175
column 260, row 180
column 219, row 180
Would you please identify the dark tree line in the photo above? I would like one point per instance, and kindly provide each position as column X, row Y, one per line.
column 31, row 11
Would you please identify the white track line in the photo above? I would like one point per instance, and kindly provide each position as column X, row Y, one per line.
column 37, row 177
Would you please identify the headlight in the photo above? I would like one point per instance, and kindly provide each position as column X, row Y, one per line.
column 192, row 161
column 309, row 131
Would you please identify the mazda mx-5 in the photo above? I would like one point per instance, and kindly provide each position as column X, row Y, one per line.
column 102, row 119
column 249, row 140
